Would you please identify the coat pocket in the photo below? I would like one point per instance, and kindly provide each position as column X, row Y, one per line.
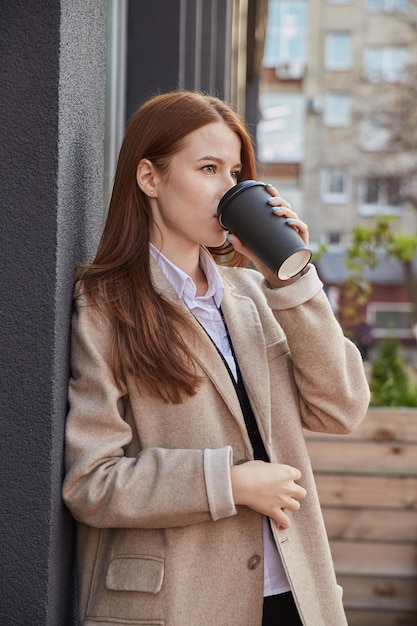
column 135, row 573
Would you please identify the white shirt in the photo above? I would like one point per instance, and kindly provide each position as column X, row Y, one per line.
column 206, row 310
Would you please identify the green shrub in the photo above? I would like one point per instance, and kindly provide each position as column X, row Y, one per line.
column 389, row 380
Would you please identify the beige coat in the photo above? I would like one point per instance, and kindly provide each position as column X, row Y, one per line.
column 160, row 541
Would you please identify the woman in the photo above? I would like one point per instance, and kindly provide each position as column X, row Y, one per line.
column 187, row 470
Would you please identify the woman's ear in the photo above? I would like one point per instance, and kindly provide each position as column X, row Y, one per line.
column 146, row 178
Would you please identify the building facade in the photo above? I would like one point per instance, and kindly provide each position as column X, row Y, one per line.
column 336, row 96
column 328, row 134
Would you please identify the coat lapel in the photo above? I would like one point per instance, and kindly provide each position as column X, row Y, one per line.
column 245, row 330
column 248, row 341
column 204, row 350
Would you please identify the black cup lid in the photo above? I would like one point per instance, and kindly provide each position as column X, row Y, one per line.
column 234, row 191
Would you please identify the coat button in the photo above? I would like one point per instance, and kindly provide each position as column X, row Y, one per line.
column 254, row 561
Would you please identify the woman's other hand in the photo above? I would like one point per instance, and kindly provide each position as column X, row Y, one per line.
column 268, row 488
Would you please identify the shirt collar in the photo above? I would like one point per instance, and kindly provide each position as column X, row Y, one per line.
column 183, row 284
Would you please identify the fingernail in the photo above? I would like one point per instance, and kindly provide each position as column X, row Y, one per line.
column 268, row 185
column 271, row 198
column 289, row 219
column 228, row 238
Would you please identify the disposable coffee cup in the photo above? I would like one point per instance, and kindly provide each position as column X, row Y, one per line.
column 245, row 212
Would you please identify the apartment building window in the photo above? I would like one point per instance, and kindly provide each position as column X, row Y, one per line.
column 339, row 1
column 338, row 51
column 385, row 63
column 390, row 319
column 380, row 195
column 334, row 186
column 286, row 35
column 280, row 131
column 337, row 109
column 387, row 6
column 333, row 237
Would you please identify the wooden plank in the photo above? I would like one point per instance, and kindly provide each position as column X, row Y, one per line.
column 376, row 593
column 374, row 559
column 353, row 457
column 367, row 485
column 371, row 525
column 367, row 491
column 384, row 424
column 380, row 618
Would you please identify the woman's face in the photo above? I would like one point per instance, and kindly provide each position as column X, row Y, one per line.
column 185, row 206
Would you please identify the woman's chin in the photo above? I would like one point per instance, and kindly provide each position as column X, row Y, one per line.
column 216, row 243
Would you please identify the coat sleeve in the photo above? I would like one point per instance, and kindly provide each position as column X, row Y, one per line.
column 103, row 487
column 328, row 368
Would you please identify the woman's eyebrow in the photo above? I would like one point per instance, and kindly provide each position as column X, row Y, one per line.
column 217, row 160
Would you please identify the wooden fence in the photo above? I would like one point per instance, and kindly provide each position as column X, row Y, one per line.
column 367, row 483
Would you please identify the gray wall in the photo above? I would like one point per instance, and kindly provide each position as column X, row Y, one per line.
column 52, row 81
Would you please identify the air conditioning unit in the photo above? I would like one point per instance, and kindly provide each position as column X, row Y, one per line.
column 292, row 70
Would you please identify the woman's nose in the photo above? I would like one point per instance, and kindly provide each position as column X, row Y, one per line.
column 228, row 184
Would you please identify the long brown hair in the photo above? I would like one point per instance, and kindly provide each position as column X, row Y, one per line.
column 147, row 337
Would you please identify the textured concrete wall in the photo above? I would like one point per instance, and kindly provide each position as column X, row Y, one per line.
column 52, row 84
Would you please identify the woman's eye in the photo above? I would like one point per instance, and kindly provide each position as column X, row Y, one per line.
column 210, row 169
column 235, row 174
